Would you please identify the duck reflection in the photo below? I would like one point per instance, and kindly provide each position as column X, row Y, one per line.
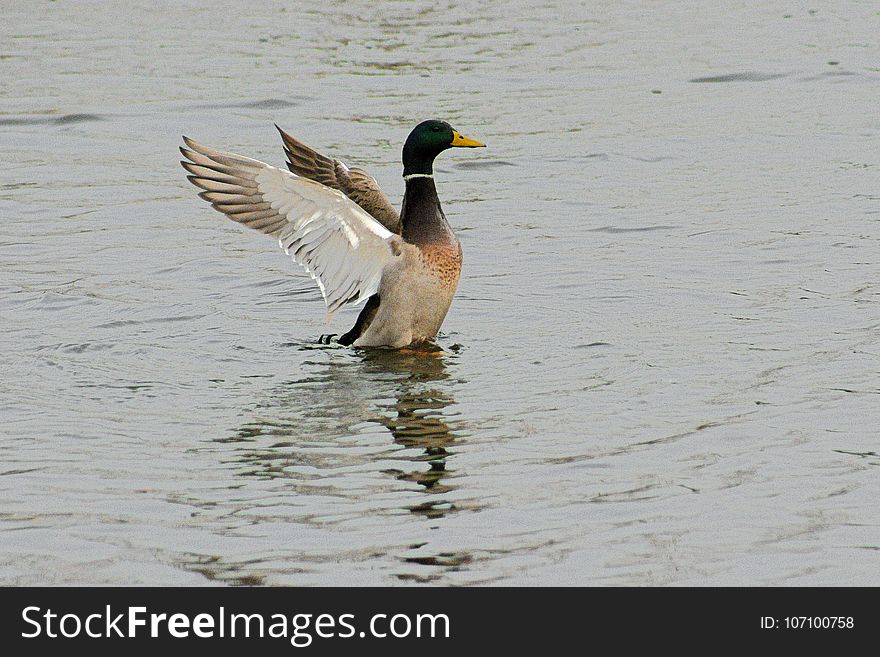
column 419, row 422
column 318, row 425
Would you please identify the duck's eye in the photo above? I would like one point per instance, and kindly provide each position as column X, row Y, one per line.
column 436, row 128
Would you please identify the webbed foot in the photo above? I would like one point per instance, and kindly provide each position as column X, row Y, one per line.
column 422, row 349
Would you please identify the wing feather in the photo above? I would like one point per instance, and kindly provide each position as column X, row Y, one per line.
column 355, row 183
column 336, row 241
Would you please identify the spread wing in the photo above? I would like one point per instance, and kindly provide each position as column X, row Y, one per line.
column 335, row 240
column 355, row 183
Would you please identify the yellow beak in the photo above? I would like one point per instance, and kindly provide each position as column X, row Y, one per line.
column 459, row 140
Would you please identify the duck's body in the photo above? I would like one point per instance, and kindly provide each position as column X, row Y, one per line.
column 416, row 293
column 337, row 223
column 413, row 300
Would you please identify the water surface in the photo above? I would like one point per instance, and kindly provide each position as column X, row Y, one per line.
column 661, row 367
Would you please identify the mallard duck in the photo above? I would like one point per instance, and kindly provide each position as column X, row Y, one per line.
column 336, row 222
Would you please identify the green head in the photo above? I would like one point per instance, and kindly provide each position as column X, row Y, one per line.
column 427, row 140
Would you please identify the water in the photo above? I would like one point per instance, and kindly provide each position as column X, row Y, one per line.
column 661, row 366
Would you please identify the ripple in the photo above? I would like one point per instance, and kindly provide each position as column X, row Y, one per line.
column 483, row 164
column 748, row 76
column 67, row 119
column 267, row 103
column 634, row 229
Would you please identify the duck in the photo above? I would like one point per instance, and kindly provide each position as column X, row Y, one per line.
column 336, row 222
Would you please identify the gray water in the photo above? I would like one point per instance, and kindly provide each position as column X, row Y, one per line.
column 661, row 366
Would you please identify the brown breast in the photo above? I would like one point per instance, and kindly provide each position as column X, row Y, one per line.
column 443, row 261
